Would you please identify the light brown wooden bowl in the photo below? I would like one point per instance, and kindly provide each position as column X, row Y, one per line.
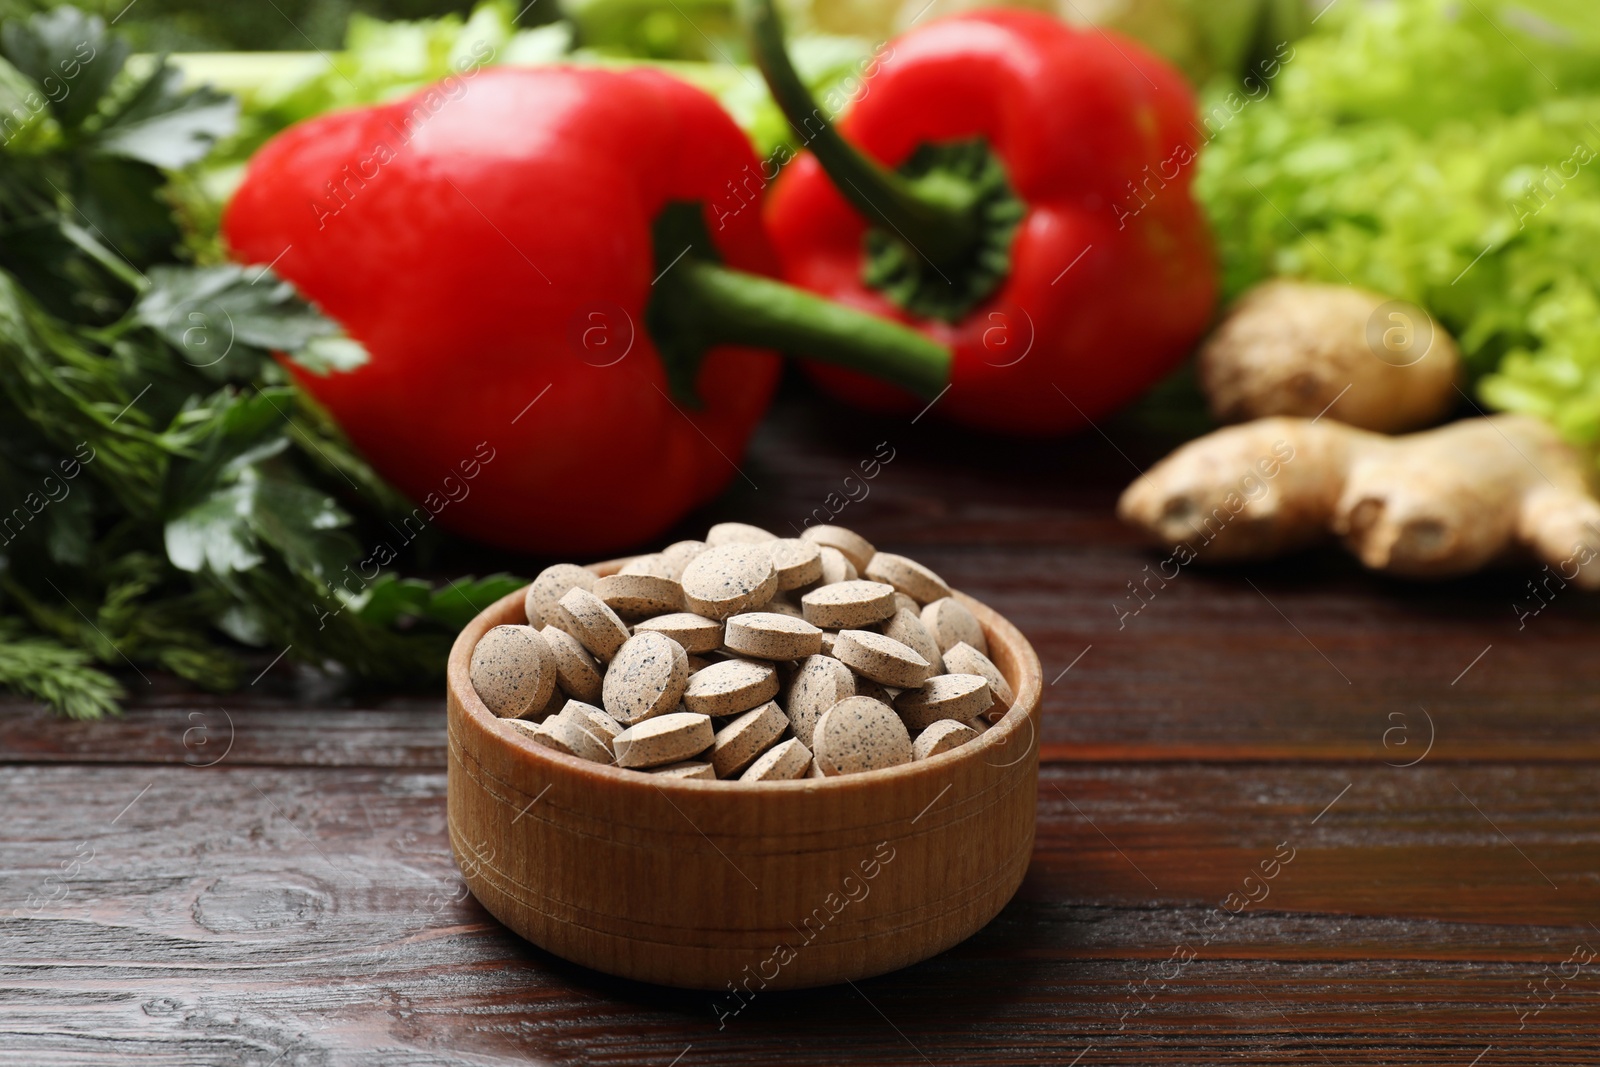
column 735, row 885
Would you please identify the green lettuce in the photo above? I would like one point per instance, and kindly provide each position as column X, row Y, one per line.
column 1444, row 152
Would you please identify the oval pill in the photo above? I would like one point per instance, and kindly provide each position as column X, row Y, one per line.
column 663, row 739
column 847, row 605
column 769, row 635
column 880, row 658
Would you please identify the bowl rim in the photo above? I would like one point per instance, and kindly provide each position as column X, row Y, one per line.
column 1027, row 689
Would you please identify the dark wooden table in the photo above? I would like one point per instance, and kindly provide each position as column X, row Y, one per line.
column 1288, row 814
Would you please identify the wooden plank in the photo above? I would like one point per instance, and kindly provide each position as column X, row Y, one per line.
column 200, row 730
column 238, row 914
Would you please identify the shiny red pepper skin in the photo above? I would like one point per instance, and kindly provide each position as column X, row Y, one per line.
column 495, row 252
column 1075, row 116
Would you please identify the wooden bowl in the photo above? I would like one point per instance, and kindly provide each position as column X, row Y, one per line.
column 743, row 886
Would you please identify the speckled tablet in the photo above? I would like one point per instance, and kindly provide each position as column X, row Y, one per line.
column 647, row 677
column 855, row 548
column 553, row 583
column 907, row 575
column 737, row 744
column 944, row 696
column 860, row 734
column 769, row 635
column 941, row 736
column 730, row 686
column 883, row 659
column 729, row 579
column 513, row 671
column 577, row 673
column 586, row 617
column 782, row 762
column 663, row 739
column 695, row 633
column 850, row 604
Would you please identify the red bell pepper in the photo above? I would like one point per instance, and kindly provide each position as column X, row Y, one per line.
column 564, row 340
column 1017, row 189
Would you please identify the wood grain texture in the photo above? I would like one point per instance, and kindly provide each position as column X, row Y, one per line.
column 235, row 914
column 296, row 903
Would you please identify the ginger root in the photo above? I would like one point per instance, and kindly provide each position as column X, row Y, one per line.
column 1293, row 348
column 1435, row 504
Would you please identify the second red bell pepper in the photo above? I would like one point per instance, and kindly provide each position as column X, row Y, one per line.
column 1019, row 191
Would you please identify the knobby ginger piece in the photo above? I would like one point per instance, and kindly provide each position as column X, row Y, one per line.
column 1297, row 348
column 1435, row 504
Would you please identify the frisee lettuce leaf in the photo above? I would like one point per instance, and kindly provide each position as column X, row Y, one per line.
column 1442, row 152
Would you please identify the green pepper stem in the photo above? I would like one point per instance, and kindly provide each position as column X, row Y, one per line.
column 937, row 220
column 718, row 305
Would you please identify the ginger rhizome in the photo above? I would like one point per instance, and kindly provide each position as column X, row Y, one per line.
column 1300, row 348
column 1435, row 504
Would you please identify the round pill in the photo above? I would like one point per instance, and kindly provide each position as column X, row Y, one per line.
column 677, row 555
column 663, row 739
column 941, row 736
column 880, row 658
column 566, row 735
column 860, row 734
column 835, row 567
column 692, row 769
column 737, row 744
column 951, row 624
column 695, row 633
column 577, row 674
column 905, row 603
column 639, row 594
column 827, row 642
column 653, row 563
column 768, row 635
column 866, row 687
column 797, row 562
column 855, row 548
column 553, row 583
column 591, row 718
column 782, row 762
column 586, row 617
column 964, row 659
column 907, row 628
column 730, row 686
column 728, row 579
column 848, row 604
column 944, row 696
column 737, row 533
column 520, row 727
column 647, row 677
column 908, row 576
column 512, row 671
column 819, row 684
